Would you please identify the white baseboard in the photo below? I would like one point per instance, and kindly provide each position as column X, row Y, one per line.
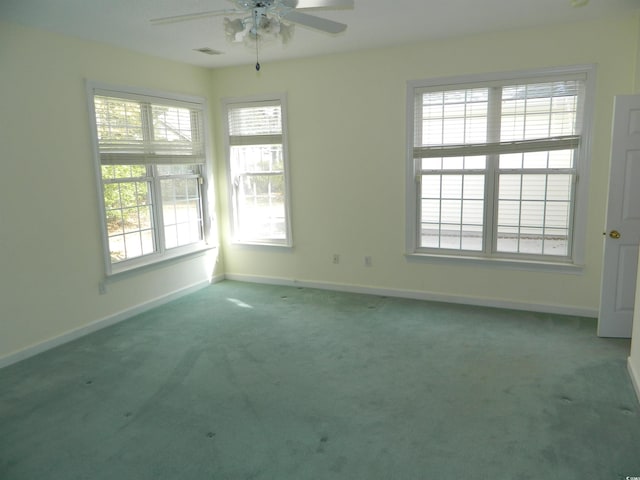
column 412, row 294
column 102, row 323
column 635, row 377
column 419, row 295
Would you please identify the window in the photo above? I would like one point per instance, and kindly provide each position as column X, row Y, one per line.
column 151, row 168
column 494, row 167
column 257, row 171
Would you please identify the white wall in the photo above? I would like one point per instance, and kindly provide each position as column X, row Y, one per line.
column 51, row 259
column 347, row 144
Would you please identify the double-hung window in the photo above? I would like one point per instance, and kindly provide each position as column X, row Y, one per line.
column 494, row 165
column 151, row 169
column 257, row 170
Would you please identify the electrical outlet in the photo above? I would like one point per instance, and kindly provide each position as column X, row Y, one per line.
column 336, row 258
column 368, row 262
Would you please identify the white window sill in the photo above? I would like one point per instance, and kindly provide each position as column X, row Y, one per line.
column 260, row 244
column 507, row 263
column 152, row 261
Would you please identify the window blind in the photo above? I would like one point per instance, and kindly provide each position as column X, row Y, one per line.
column 255, row 125
column 141, row 132
column 531, row 117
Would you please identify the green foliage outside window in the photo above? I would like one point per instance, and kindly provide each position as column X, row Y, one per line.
column 122, row 199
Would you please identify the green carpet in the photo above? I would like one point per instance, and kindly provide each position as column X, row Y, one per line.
column 243, row 381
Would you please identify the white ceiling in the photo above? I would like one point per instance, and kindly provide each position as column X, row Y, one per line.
column 371, row 24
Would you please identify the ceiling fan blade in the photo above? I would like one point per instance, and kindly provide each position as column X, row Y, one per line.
column 312, row 21
column 326, row 4
column 193, row 16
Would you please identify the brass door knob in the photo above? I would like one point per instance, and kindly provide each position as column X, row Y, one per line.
column 614, row 234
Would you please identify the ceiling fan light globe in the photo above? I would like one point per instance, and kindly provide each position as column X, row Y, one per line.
column 232, row 28
column 286, row 32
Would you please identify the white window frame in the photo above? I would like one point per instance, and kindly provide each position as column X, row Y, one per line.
column 161, row 253
column 574, row 262
column 253, row 101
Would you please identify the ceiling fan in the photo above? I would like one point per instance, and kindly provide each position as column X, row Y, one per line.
column 262, row 19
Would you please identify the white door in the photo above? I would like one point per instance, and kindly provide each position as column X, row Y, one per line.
column 622, row 236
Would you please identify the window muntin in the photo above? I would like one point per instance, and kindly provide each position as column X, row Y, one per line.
column 452, row 210
column 151, row 165
column 495, row 168
column 181, row 204
column 128, row 205
column 257, row 172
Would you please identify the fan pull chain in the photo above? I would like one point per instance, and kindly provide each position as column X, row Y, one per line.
column 257, row 60
column 256, row 26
